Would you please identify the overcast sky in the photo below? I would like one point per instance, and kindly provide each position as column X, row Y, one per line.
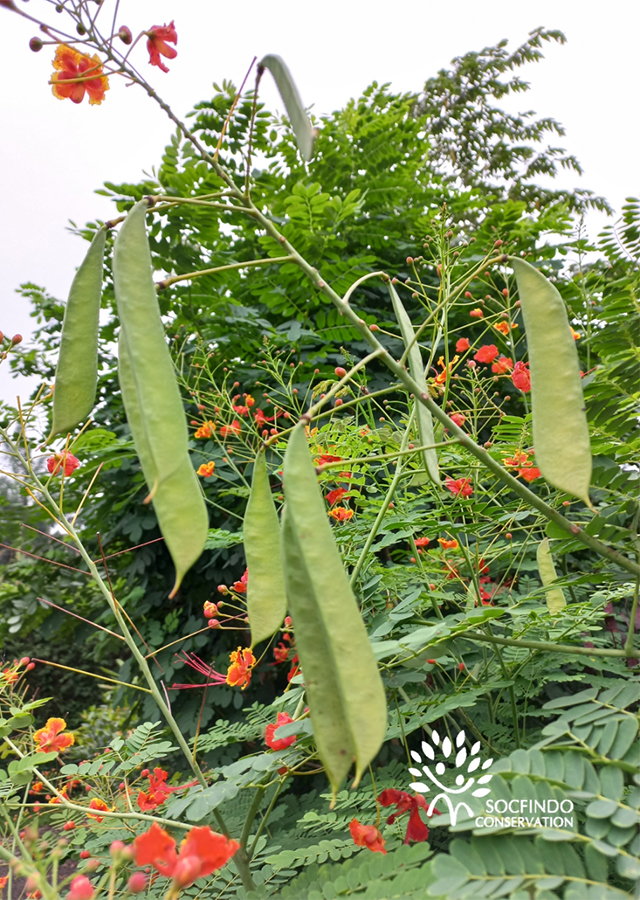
column 54, row 154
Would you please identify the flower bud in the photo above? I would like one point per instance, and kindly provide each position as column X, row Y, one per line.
column 116, row 848
column 186, row 872
column 339, row 402
column 288, row 621
column 213, row 623
column 68, row 826
column 16, row 339
column 84, row 854
column 340, row 372
column 81, row 29
column 25, row 661
column 35, row 44
column 137, row 883
column 81, row 889
column 31, row 666
column 125, row 35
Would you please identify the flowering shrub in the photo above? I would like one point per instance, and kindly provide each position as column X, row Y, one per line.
column 414, row 555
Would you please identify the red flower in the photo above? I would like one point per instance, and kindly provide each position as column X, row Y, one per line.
column 327, row 458
column 157, row 45
column 462, row 344
column 66, row 460
column 280, row 652
column 422, row 542
column 333, row 496
column 459, row 419
column 81, row 889
column 97, row 803
column 278, row 743
column 502, row 365
column 367, row 836
column 229, row 430
column 77, row 74
column 521, row 377
column 416, row 829
column 158, row 790
column 529, row 474
column 487, row 353
column 210, row 851
column 50, row 739
column 239, row 672
column 241, row 586
column 241, row 410
column 459, row 486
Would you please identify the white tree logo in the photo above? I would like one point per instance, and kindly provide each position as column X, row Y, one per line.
column 463, row 782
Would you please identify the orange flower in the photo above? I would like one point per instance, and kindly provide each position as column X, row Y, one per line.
column 502, row 365
column 239, row 672
column 76, row 74
column 157, row 45
column 441, row 377
column 519, row 458
column 206, row 430
column 448, row 545
column 50, row 738
column 462, row 344
column 340, row 514
column 233, row 429
column 530, row 473
column 201, row 853
column 504, row 327
column 278, row 743
column 240, row 587
column 97, row 803
column 367, row 836
column 422, row 542
column 206, row 469
column 575, row 334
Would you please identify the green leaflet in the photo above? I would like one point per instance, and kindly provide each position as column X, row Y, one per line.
column 346, row 695
column 416, row 367
column 159, row 400
column 152, row 401
column 266, row 594
column 77, row 369
column 555, row 596
column 560, row 430
column 302, row 128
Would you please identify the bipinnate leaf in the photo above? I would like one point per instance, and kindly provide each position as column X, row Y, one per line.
column 266, row 593
column 416, row 367
column 346, row 696
column 302, row 128
column 560, row 429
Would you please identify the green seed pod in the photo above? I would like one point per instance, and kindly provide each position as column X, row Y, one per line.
column 77, row 369
column 266, row 594
column 416, row 367
column 177, row 500
column 555, row 596
column 340, row 648
column 152, row 369
column 560, row 429
column 302, row 128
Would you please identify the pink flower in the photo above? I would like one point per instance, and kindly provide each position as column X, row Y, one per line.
column 459, row 486
column 521, row 377
column 157, row 45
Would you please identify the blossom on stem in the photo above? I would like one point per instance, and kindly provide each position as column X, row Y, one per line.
column 206, row 469
column 206, row 430
column 158, row 790
column 158, row 39
column 486, row 354
column 210, row 850
column 521, row 377
column 340, row 514
column 448, row 545
column 502, row 365
column 240, row 587
column 239, row 672
column 504, row 327
column 77, row 74
column 530, row 473
column 367, row 836
column 441, row 377
column 462, row 344
column 66, row 460
column 231, row 430
column 335, row 495
column 459, row 486
column 50, row 738
column 404, row 802
column 278, row 743
column 97, row 803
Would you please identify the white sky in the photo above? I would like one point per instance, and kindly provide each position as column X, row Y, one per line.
column 54, row 154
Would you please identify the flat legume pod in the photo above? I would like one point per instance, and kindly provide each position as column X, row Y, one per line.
column 556, row 600
column 560, row 429
column 77, row 370
column 266, row 594
column 302, row 128
column 416, row 367
column 331, row 730
column 177, row 501
column 347, row 645
column 159, row 400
